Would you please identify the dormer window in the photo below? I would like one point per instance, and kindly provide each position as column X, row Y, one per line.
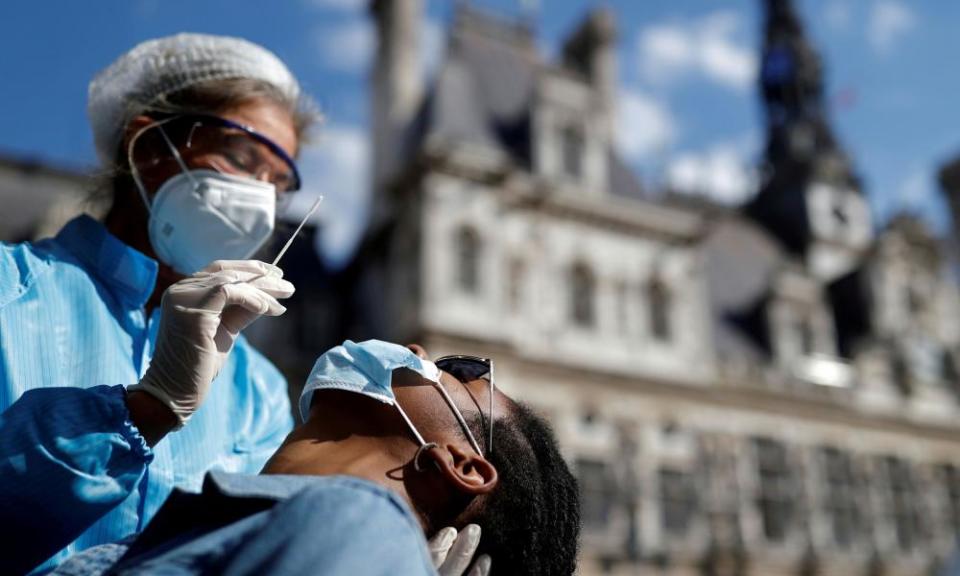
column 801, row 329
column 468, row 260
column 807, row 336
column 571, row 141
column 517, row 272
column 582, row 296
column 659, row 305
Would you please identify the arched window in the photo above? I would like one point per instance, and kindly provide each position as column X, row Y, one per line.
column 659, row 304
column 581, row 296
column 468, row 260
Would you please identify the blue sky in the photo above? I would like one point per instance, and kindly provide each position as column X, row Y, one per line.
column 689, row 113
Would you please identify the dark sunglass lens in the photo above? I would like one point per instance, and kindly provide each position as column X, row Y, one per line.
column 464, row 370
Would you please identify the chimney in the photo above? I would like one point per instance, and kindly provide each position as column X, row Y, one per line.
column 396, row 81
column 591, row 51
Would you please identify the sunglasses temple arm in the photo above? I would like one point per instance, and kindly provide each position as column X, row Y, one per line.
column 459, row 417
column 490, row 412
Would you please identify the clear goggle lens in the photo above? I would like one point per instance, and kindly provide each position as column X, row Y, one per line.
column 231, row 148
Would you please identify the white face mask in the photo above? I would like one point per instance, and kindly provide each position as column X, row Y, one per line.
column 199, row 216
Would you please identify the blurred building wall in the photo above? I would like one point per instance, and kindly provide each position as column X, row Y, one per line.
column 38, row 199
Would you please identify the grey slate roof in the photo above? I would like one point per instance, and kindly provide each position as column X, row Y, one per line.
column 741, row 259
column 484, row 94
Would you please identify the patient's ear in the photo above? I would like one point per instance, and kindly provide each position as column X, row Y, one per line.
column 464, row 471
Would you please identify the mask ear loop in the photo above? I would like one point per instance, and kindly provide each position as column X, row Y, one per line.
column 135, row 172
column 421, row 450
column 424, row 445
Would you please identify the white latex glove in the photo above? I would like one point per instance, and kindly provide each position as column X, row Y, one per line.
column 200, row 320
column 452, row 552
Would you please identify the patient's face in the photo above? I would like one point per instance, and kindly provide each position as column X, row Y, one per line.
column 431, row 414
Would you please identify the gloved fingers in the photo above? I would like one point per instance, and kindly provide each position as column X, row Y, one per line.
column 254, row 266
column 440, row 545
column 272, row 285
column 481, row 567
column 251, row 299
column 234, row 319
column 461, row 553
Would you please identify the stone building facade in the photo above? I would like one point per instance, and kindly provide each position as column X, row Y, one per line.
column 769, row 389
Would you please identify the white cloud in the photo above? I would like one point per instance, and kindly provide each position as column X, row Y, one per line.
column 915, row 189
column 721, row 172
column 888, row 22
column 711, row 46
column 349, row 46
column 337, row 166
column 645, row 126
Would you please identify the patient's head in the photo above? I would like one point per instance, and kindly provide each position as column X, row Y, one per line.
column 531, row 520
column 518, row 489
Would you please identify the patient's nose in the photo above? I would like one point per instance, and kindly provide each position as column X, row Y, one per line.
column 418, row 350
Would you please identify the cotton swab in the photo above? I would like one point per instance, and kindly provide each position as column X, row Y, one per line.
column 310, row 212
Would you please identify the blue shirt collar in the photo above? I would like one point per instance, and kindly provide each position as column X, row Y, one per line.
column 131, row 274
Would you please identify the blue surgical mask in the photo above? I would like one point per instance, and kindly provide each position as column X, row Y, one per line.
column 365, row 368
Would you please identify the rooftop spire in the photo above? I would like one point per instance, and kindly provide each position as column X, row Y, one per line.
column 791, row 84
column 806, row 180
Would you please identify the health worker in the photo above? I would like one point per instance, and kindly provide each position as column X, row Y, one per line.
column 117, row 335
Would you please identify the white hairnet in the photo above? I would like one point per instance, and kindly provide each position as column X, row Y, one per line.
column 158, row 67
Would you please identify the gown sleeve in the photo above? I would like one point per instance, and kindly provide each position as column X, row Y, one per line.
column 67, row 456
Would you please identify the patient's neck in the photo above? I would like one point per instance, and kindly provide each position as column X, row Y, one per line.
column 346, row 438
column 310, row 451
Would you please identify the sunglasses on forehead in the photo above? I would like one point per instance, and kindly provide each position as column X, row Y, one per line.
column 468, row 369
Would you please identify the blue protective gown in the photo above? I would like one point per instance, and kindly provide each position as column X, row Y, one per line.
column 74, row 471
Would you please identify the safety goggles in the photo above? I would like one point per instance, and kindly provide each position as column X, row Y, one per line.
column 468, row 369
column 231, row 148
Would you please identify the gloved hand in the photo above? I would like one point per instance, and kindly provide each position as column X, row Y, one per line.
column 452, row 552
column 201, row 317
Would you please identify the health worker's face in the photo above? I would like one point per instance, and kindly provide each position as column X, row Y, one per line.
column 157, row 165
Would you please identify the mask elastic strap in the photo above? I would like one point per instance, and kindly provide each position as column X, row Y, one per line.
column 410, row 425
column 424, row 445
column 135, row 172
column 421, row 450
column 178, row 158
